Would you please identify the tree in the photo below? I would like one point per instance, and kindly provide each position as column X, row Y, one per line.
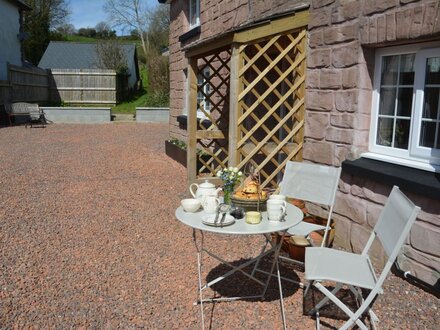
column 46, row 15
column 66, row 29
column 104, row 31
column 111, row 55
column 159, row 28
column 87, row 32
column 130, row 14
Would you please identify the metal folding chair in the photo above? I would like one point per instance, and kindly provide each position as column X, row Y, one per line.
column 356, row 270
column 312, row 183
column 36, row 115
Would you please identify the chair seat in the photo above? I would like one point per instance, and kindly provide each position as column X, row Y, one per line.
column 338, row 266
column 304, row 229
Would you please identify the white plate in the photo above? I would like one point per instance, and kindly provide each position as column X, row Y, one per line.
column 209, row 220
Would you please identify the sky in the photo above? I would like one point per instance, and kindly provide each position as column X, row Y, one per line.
column 88, row 13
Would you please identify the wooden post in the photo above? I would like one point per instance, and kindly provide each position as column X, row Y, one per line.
column 234, row 105
column 192, row 120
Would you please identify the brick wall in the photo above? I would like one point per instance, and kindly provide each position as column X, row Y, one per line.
column 216, row 18
column 343, row 35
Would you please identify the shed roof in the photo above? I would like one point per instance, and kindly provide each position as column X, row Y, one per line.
column 77, row 55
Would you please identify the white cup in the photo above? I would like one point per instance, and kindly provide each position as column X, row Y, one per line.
column 210, row 204
column 276, row 208
column 278, row 197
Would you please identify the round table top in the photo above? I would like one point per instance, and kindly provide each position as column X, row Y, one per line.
column 293, row 216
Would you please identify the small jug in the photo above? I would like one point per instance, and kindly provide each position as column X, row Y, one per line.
column 210, row 204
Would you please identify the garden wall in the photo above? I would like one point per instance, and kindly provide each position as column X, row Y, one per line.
column 77, row 115
column 150, row 114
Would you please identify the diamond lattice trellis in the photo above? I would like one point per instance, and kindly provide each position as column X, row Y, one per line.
column 213, row 112
column 271, row 104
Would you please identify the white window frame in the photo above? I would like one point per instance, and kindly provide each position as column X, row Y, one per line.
column 195, row 15
column 415, row 156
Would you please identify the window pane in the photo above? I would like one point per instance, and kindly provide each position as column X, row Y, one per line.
column 433, row 70
column 385, row 131
column 430, row 106
column 390, row 65
column 427, row 134
column 387, row 101
column 193, row 12
column 407, row 69
column 404, row 102
column 401, row 137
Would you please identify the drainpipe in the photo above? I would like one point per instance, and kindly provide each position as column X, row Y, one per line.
column 434, row 289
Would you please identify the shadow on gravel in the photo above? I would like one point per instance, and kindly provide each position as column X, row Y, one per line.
column 239, row 284
column 330, row 310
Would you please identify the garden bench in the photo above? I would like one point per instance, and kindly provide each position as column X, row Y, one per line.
column 30, row 110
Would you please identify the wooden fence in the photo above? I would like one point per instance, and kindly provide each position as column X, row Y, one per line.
column 25, row 85
column 88, row 86
column 85, row 86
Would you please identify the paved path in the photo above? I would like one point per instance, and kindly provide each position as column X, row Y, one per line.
column 88, row 239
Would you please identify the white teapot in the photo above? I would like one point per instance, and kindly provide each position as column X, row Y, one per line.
column 204, row 189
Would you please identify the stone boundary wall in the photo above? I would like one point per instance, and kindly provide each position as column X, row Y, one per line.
column 74, row 115
column 342, row 37
column 150, row 114
column 216, row 18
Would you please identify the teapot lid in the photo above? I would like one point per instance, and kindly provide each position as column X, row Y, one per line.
column 207, row 184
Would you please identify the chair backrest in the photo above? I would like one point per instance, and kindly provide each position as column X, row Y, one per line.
column 21, row 107
column 311, row 182
column 395, row 222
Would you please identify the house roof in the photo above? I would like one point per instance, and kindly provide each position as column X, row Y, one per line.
column 20, row 4
column 77, row 55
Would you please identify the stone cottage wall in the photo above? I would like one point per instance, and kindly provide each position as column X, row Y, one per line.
column 343, row 36
column 216, row 18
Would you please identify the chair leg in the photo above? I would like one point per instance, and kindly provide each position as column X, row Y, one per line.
column 326, row 299
column 354, row 317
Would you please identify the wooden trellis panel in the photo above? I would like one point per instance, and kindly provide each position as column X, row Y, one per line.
column 270, row 116
column 208, row 149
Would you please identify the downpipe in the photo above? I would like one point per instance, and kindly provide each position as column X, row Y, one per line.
column 434, row 289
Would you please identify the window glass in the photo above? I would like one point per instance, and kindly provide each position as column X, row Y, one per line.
column 387, row 101
column 395, row 103
column 194, row 12
column 429, row 130
column 401, row 137
column 389, row 70
column 406, row 72
column 203, row 90
column 385, row 132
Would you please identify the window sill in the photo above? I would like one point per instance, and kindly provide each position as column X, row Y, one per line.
column 183, row 121
column 420, row 182
column 191, row 33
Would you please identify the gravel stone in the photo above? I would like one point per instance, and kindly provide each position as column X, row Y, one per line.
column 88, row 239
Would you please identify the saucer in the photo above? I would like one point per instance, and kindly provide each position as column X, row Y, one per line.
column 209, row 220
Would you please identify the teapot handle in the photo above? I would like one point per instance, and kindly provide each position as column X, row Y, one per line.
column 191, row 189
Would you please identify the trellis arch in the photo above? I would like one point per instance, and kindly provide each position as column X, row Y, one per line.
column 256, row 98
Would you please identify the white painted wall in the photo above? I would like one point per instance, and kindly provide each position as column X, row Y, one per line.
column 10, row 50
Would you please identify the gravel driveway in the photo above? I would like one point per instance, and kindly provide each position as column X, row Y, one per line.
column 88, row 239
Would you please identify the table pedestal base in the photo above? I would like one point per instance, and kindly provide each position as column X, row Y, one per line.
column 268, row 248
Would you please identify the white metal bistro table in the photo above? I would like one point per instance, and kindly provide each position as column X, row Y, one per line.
column 293, row 216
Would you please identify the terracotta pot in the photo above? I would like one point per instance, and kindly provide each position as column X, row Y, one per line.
column 298, row 203
column 297, row 247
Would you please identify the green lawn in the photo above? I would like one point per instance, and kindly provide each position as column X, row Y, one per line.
column 80, row 39
column 139, row 99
